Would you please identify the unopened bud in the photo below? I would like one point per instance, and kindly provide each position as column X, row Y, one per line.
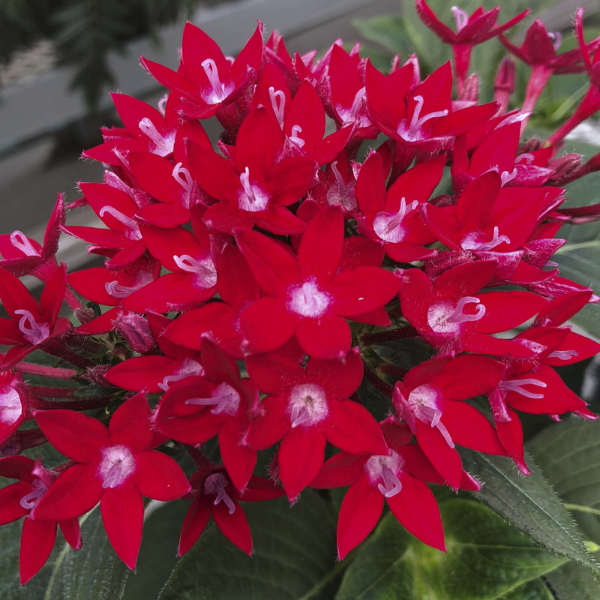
column 96, row 375
column 563, row 168
column 471, row 89
column 504, row 83
column 136, row 331
column 530, row 146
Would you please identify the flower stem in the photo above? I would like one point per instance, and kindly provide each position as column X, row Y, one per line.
column 403, row 333
column 45, row 371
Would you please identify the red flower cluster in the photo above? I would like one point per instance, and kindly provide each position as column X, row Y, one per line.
column 243, row 288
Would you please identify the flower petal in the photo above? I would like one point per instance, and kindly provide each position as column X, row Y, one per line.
column 159, row 477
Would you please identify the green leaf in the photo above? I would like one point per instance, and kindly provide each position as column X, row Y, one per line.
column 532, row 590
column 573, row 581
column 486, row 558
column 294, row 557
column 529, row 503
column 92, row 573
column 569, row 456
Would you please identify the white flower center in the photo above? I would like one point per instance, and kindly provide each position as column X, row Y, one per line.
column 224, row 398
column 214, row 485
column 413, row 131
column 217, row 92
column 383, row 471
column 307, row 404
column 388, row 225
column 163, row 145
column 116, row 466
column 341, row 193
column 34, row 332
column 251, row 197
column 425, row 401
column 204, row 269
column 308, row 300
column 11, row 407
column 444, row 317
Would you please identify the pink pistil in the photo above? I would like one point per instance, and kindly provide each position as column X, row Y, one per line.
column 214, row 485
column 224, row 398
column 133, row 229
column 252, row 198
column 563, row 354
column 204, row 269
column 459, row 317
column 35, row 333
column 277, row 98
column 341, row 193
column 217, row 88
column 517, row 386
column 38, row 489
column 20, row 241
column 414, row 131
column 163, row 145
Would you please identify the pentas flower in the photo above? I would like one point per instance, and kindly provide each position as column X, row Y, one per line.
column 237, row 289
column 155, row 373
column 301, row 118
column 305, row 295
column 393, row 217
column 276, row 53
column 538, row 50
column 470, row 31
column 13, row 404
column 146, row 130
column 30, row 325
column 431, row 401
column 114, row 466
column 306, row 408
column 19, row 500
column 207, row 80
column 422, row 119
column 397, row 478
column 253, row 186
column 196, row 409
column 190, row 257
column 214, row 495
column 454, row 316
column 591, row 101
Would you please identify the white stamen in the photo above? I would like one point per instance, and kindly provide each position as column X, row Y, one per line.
column 459, row 317
column 204, row 269
column 353, row 114
column 11, row 407
column 506, row 177
column 35, row 333
column 557, row 37
column 183, row 177
column 162, row 104
column 308, row 300
column 383, row 471
column 278, row 103
column 116, row 466
column 414, row 133
column 188, row 368
column 307, row 404
column 563, row 354
column 133, row 229
column 252, row 198
column 296, row 129
column 516, row 385
column 116, row 290
column 461, row 18
column 388, row 225
column 38, row 489
column 214, row 485
column 21, row 242
column 218, row 89
column 425, row 402
column 163, row 146
column 495, row 241
column 224, row 398
column 527, row 158
column 341, row 194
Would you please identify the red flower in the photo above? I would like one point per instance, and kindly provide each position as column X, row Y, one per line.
column 19, row 500
column 430, row 401
column 471, row 30
column 115, row 466
column 206, row 80
column 452, row 319
column 215, row 495
column 306, row 408
column 305, row 295
column 398, row 477
column 31, row 326
column 218, row 402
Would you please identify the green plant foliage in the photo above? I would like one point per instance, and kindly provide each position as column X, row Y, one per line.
column 529, row 503
column 486, row 559
column 294, row 557
column 569, row 457
column 93, row 573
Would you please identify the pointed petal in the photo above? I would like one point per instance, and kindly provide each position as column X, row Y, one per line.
column 194, row 523
column 130, row 424
column 271, row 425
column 468, row 376
column 37, row 541
column 359, row 513
column 75, row 435
column 234, row 525
column 53, row 294
column 340, row 471
column 328, row 337
column 71, row 532
column 416, row 508
column 10, row 502
column 123, row 516
column 142, row 372
column 159, row 477
column 267, row 324
column 444, row 458
column 507, row 310
column 239, row 460
column 340, row 377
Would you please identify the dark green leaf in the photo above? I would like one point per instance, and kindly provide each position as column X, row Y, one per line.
column 529, row 503
column 294, row 557
column 532, row 590
column 486, row 558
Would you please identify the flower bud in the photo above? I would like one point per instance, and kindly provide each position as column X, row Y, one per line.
column 504, row 83
column 136, row 331
column 563, row 168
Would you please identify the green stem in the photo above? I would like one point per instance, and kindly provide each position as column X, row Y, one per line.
column 337, row 569
column 580, row 508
